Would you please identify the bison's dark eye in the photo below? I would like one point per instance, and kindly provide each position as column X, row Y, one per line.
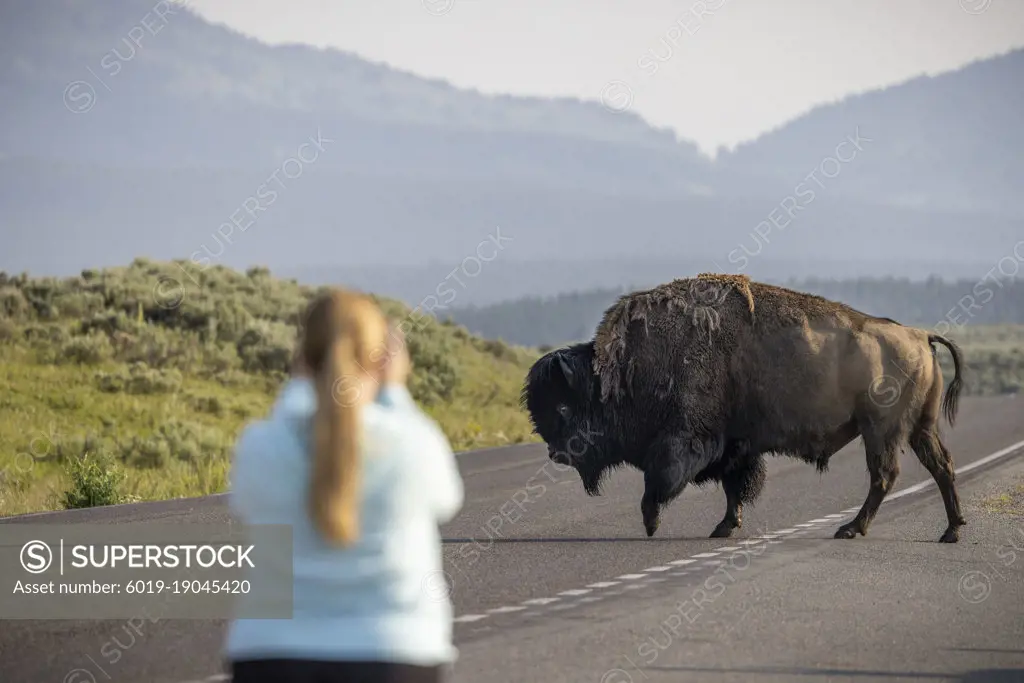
column 563, row 410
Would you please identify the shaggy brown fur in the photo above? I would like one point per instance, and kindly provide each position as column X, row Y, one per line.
column 696, row 379
column 702, row 298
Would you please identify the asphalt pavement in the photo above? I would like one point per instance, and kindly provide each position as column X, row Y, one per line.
column 550, row 584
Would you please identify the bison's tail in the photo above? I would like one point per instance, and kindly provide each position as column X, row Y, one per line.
column 950, row 402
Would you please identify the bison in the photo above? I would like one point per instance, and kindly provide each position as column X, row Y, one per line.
column 697, row 380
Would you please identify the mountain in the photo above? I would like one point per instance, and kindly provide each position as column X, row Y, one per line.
column 133, row 129
column 949, row 142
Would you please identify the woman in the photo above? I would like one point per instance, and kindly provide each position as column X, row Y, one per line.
column 364, row 479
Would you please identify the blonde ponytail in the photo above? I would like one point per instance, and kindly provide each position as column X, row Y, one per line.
column 345, row 328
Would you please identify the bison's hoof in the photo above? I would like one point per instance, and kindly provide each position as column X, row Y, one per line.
column 723, row 530
column 847, row 531
column 651, row 527
column 952, row 535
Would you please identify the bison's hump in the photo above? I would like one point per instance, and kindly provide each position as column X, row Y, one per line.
column 706, row 303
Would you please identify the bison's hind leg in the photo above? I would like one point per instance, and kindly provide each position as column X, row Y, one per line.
column 934, row 455
column 741, row 485
column 883, row 466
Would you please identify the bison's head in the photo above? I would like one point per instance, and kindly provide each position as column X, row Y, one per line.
column 562, row 396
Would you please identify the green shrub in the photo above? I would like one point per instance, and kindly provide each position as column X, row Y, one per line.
column 91, row 349
column 175, row 440
column 218, row 358
column 139, row 378
column 94, row 480
column 80, row 304
column 13, row 304
column 210, row 405
column 267, row 347
column 434, row 377
column 498, row 349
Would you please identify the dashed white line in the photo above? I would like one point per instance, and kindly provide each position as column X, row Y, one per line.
column 540, row 601
column 630, row 577
column 729, row 548
column 470, row 617
column 603, row 584
column 657, row 569
column 506, row 609
column 577, row 591
column 680, row 562
column 705, row 555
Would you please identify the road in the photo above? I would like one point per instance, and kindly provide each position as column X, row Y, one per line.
column 552, row 585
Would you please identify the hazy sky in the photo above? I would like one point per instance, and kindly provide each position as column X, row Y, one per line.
column 742, row 68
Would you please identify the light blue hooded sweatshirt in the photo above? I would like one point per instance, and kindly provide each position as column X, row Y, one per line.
column 383, row 598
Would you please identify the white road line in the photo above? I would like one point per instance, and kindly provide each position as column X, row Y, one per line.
column 470, row 617
column 705, row 555
column 540, row 601
column 578, row 591
column 729, row 548
column 679, row 562
column 785, row 531
column 506, row 609
column 603, row 584
column 631, row 577
column 657, row 569
column 820, row 521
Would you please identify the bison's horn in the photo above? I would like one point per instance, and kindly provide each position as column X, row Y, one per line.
column 566, row 370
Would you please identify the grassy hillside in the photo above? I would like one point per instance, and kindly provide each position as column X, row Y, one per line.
column 149, row 372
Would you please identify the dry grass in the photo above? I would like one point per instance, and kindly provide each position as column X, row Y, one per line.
column 1008, row 502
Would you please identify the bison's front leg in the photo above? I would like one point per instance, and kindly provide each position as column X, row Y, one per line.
column 672, row 462
column 742, row 484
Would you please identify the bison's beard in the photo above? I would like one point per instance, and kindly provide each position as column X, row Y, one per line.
column 592, row 477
